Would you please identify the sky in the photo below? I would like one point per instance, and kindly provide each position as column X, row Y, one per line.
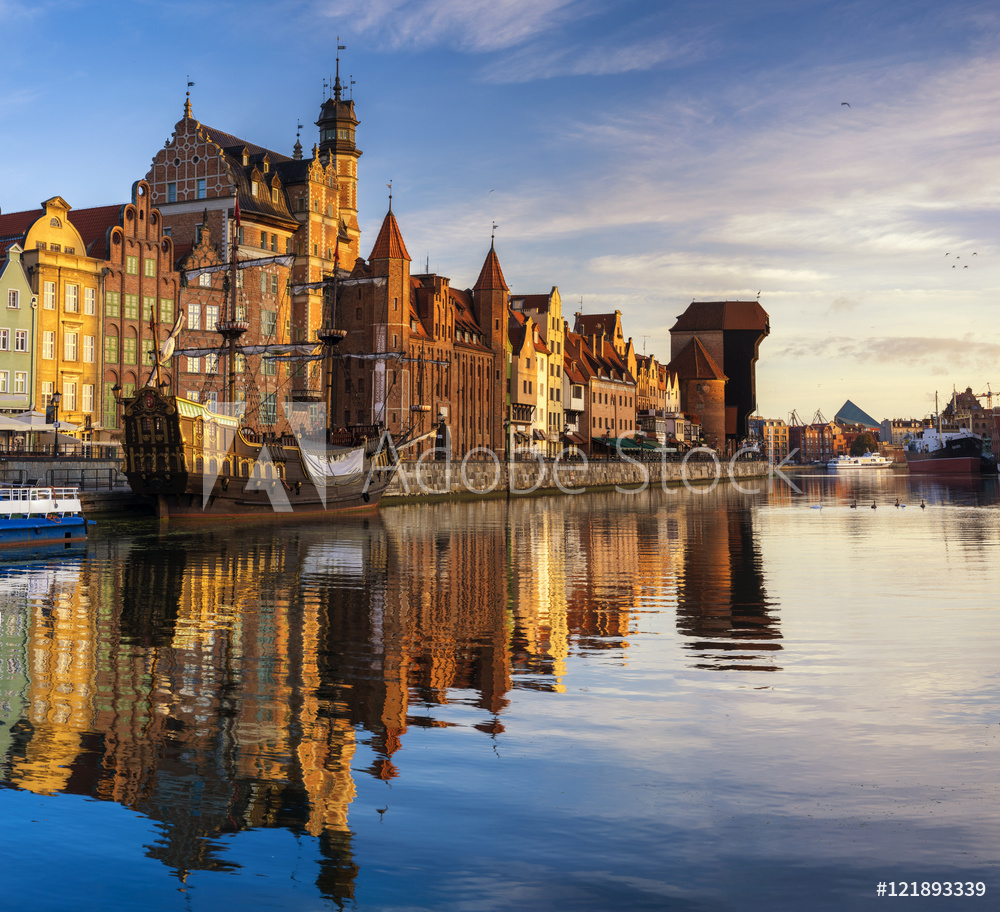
column 838, row 159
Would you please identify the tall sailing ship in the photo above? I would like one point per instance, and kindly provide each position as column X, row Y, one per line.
column 198, row 463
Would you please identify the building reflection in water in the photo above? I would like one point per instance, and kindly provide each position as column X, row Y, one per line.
column 217, row 683
column 722, row 605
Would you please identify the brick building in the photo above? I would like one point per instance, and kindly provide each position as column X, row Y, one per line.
column 703, row 390
column 416, row 348
column 730, row 333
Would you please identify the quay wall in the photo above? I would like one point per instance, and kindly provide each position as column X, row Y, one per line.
column 434, row 480
column 103, row 487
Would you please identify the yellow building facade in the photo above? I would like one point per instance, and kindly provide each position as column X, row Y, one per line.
column 68, row 335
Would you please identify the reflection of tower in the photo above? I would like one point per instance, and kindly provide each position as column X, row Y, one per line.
column 404, row 645
column 721, row 599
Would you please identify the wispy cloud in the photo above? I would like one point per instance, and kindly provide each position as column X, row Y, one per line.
column 967, row 352
column 469, row 25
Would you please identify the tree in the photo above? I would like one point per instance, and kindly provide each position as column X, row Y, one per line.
column 864, row 443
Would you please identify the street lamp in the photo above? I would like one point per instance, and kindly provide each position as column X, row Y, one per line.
column 56, row 399
column 116, row 391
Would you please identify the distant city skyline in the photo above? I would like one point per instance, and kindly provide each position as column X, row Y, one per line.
column 839, row 159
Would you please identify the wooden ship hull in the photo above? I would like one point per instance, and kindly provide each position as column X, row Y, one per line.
column 196, row 465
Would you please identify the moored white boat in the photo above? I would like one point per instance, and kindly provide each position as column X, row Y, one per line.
column 865, row 462
column 40, row 515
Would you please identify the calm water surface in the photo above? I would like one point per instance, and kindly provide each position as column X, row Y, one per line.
column 684, row 700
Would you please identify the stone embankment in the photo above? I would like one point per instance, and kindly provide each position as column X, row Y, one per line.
column 488, row 478
column 103, row 487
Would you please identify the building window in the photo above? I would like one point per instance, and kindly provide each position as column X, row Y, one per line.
column 268, row 322
column 20, row 340
column 132, row 265
column 269, row 408
column 167, row 311
column 89, row 349
column 148, row 308
column 148, row 346
column 69, row 395
column 20, row 381
column 49, row 296
column 88, row 397
column 131, row 309
column 205, row 280
column 111, row 349
column 194, row 316
column 4, row 381
column 13, row 298
column 211, row 364
column 255, row 188
column 171, row 193
column 274, row 243
column 72, row 299
column 211, row 316
column 149, row 264
column 201, row 189
column 70, row 346
column 194, row 365
column 49, row 345
column 274, row 284
column 90, row 301
column 275, row 195
column 128, row 351
column 269, row 368
column 112, row 303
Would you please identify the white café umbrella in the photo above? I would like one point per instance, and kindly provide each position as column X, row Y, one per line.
column 7, row 423
column 35, row 421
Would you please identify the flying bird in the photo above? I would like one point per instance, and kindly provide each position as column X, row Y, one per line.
column 844, row 103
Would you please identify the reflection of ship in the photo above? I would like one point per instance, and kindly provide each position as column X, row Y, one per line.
column 866, row 463
column 934, row 452
column 198, row 464
column 33, row 517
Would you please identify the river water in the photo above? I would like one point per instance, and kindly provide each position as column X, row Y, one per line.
column 709, row 699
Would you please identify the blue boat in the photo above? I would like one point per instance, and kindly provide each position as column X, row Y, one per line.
column 34, row 515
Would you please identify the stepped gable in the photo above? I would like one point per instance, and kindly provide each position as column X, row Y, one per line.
column 850, row 414
column 695, row 363
column 389, row 243
column 491, row 275
column 702, row 316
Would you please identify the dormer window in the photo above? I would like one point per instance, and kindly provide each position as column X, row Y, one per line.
column 255, row 188
column 275, row 195
column 246, row 157
column 267, row 166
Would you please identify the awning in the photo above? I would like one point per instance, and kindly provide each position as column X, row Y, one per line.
column 576, row 439
column 537, row 434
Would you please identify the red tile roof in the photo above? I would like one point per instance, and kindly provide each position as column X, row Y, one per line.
column 694, row 362
column 702, row 316
column 491, row 276
column 389, row 243
column 94, row 225
column 14, row 226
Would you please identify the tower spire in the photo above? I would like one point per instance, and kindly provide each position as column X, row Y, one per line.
column 336, row 84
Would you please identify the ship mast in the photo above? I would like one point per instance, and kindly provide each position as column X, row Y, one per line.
column 230, row 328
column 330, row 338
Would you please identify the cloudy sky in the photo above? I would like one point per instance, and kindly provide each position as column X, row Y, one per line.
column 839, row 158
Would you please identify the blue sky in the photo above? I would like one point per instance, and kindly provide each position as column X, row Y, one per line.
column 639, row 155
